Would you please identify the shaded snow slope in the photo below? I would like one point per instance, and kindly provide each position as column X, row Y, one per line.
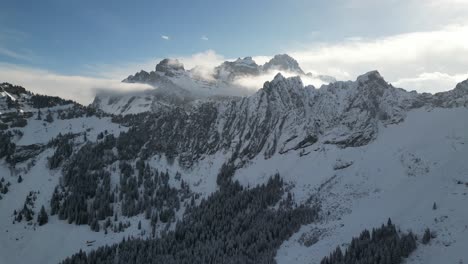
column 400, row 175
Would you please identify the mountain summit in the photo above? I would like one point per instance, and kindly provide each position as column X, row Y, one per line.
column 283, row 62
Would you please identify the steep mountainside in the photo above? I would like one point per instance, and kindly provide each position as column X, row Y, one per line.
column 304, row 169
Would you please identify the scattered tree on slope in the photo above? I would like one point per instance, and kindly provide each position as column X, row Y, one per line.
column 383, row 246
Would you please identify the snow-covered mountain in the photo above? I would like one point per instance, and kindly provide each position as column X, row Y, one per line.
column 362, row 151
column 283, row 62
column 175, row 86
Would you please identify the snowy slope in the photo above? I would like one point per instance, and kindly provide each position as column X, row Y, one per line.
column 408, row 168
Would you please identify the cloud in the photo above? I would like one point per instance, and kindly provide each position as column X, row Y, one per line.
column 13, row 38
column 256, row 82
column 13, row 54
column 204, row 38
column 431, row 82
column 79, row 88
column 260, row 60
column 399, row 57
column 204, row 61
column 98, row 78
column 208, row 58
column 165, row 37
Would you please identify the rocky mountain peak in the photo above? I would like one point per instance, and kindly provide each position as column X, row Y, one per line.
column 282, row 83
column 370, row 76
column 170, row 67
column 372, row 83
column 246, row 61
column 462, row 86
column 228, row 70
column 283, row 62
column 139, row 77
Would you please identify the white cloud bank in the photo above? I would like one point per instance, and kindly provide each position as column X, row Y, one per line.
column 256, row 82
column 430, row 61
column 78, row 88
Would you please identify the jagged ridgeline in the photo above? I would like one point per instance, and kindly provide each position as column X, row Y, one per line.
column 383, row 246
column 233, row 225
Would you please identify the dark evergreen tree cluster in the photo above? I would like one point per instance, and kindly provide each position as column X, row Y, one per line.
column 383, row 246
column 13, row 89
column 39, row 114
column 19, row 122
column 149, row 191
column 4, row 186
column 77, row 111
column 233, row 225
column 45, row 101
column 25, row 152
column 15, row 119
column 3, row 126
column 85, row 195
column 64, row 149
column 85, row 180
column 26, row 213
column 7, row 148
column 427, row 236
column 49, row 118
column 42, row 217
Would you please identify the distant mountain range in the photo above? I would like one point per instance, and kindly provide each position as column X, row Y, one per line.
column 176, row 86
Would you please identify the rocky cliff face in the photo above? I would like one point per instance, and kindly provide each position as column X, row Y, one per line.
column 283, row 62
column 284, row 116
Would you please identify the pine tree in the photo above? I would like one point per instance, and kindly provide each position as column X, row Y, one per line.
column 42, row 217
column 20, row 179
column 434, row 206
column 427, row 236
column 49, row 118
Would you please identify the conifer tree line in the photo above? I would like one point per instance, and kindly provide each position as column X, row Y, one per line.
column 383, row 245
column 233, row 225
column 45, row 101
column 7, row 147
column 64, row 149
column 85, row 195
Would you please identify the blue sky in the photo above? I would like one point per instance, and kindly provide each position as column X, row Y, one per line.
column 66, row 35
column 111, row 39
